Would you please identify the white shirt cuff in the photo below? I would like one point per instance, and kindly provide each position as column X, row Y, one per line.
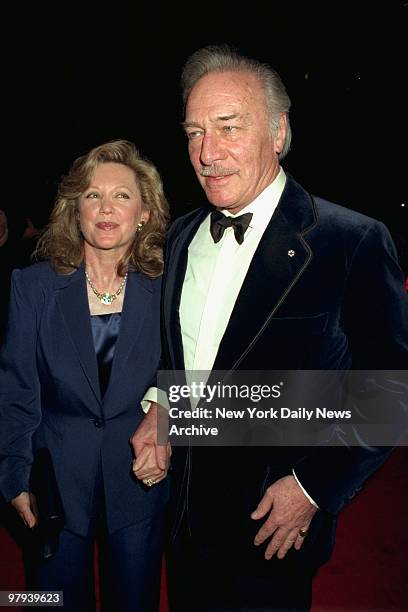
column 305, row 492
column 153, row 394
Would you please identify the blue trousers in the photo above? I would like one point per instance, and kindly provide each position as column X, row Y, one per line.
column 130, row 568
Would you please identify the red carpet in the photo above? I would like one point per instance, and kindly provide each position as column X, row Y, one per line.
column 369, row 568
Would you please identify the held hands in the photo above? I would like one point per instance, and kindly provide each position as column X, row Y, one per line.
column 289, row 512
column 152, row 460
column 26, row 506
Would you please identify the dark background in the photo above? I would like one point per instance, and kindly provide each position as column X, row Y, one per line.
column 80, row 75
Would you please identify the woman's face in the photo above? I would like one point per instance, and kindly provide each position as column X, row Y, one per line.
column 110, row 209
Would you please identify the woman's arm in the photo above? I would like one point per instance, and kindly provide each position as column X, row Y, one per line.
column 20, row 409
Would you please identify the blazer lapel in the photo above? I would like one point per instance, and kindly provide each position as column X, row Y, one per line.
column 136, row 307
column 72, row 299
column 280, row 259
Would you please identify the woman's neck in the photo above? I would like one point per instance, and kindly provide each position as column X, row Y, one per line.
column 106, row 289
column 101, row 266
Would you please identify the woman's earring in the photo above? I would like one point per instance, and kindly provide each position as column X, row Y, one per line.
column 140, row 226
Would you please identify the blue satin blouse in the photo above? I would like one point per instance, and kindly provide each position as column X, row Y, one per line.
column 105, row 332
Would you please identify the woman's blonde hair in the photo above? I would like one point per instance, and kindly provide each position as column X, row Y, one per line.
column 62, row 243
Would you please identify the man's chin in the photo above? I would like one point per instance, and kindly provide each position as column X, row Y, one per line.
column 221, row 203
column 217, row 200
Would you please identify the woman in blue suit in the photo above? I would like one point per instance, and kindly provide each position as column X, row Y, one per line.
column 82, row 346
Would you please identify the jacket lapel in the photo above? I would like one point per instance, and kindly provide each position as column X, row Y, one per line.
column 280, row 259
column 136, row 307
column 176, row 262
column 72, row 299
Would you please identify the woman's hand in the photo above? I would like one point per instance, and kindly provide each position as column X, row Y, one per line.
column 152, row 460
column 26, row 506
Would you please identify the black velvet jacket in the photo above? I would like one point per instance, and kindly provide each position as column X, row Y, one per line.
column 336, row 302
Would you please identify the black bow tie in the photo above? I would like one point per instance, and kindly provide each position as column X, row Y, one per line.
column 219, row 223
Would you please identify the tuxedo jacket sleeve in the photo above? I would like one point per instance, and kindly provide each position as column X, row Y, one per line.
column 374, row 317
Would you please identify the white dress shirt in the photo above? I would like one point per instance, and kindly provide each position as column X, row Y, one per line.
column 214, row 277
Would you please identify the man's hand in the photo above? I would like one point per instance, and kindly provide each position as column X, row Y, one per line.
column 26, row 506
column 152, row 460
column 290, row 511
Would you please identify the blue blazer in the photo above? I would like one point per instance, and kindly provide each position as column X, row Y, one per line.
column 50, row 395
column 337, row 303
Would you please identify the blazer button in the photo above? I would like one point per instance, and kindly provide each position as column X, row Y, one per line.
column 97, row 422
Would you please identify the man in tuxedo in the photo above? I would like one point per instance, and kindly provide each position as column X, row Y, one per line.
column 267, row 277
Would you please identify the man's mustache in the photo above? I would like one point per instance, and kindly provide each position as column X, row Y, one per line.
column 216, row 171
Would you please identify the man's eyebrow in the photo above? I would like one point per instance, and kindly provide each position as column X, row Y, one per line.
column 186, row 124
column 228, row 117
column 219, row 118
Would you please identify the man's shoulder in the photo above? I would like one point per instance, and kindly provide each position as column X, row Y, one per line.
column 326, row 210
column 345, row 226
column 341, row 217
column 184, row 221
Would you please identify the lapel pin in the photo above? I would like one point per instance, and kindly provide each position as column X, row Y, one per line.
column 291, row 253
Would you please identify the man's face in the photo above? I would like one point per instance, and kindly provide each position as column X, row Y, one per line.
column 230, row 142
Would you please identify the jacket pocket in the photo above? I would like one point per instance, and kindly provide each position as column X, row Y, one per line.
column 310, row 325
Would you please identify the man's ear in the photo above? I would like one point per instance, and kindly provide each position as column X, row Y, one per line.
column 281, row 133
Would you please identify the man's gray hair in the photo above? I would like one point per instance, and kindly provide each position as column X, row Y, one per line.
column 223, row 58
